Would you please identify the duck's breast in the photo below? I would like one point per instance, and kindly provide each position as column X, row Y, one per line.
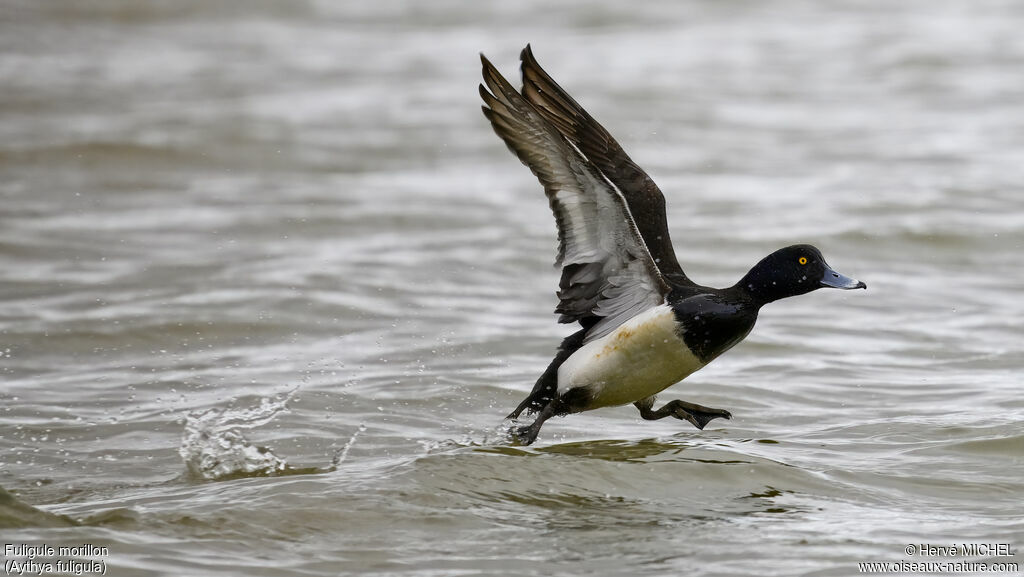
column 642, row 357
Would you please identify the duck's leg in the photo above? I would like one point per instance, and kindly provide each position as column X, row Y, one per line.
column 528, row 434
column 699, row 415
column 545, row 388
column 547, row 385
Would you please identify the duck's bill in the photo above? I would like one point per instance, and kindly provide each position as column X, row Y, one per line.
column 835, row 280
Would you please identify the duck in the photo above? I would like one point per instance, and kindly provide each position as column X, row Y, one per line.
column 644, row 325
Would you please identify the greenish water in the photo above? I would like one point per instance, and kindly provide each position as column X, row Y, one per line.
column 269, row 284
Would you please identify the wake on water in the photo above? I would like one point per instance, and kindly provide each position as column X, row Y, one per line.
column 214, row 447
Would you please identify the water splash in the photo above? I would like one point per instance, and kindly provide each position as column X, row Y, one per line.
column 341, row 455
column 213, row 446
column 500, row 434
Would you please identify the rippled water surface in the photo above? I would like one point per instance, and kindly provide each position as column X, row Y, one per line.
column 269, row 284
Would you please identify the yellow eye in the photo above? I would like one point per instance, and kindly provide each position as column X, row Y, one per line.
column 803, row 260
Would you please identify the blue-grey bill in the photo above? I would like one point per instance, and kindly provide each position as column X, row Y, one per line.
column 835, row 280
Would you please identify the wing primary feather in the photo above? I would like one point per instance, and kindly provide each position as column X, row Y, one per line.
column 608, row 274
column 644, row 198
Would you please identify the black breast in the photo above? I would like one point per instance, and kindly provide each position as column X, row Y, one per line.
column 711, row 323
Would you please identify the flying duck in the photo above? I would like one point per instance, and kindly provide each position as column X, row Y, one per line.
column 645, row 324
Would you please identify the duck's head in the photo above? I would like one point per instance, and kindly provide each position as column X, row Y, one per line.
column 792, row 271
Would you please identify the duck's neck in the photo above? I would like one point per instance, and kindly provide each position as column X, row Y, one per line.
column 759, row 286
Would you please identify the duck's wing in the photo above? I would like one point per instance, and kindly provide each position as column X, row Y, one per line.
column 608, row 275
column 645, row 200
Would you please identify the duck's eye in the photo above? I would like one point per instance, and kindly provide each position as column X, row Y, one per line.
column 802, row 260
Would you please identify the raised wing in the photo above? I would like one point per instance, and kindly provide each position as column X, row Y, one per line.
column 608, row 276
column 645, row 200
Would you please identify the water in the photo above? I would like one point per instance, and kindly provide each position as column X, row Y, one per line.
column 270, row 284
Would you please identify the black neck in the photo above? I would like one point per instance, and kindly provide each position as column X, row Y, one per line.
column 761, row 289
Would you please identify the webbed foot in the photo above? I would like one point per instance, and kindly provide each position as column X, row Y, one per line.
column 528, row 434
column 698, row 415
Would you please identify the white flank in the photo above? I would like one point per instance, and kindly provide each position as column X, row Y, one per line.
column 642, row 357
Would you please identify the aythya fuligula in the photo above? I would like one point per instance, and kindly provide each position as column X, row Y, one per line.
column 645, row 324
